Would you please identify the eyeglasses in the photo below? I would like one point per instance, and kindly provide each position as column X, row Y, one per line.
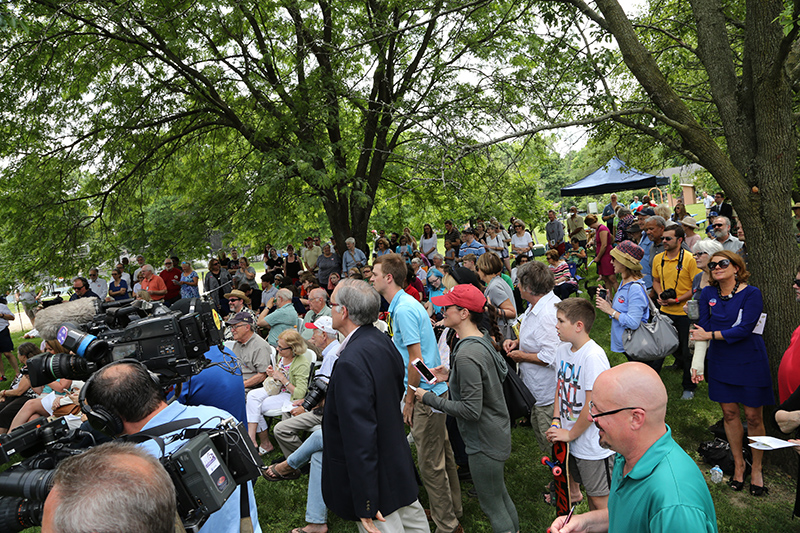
column 698, row 254
column 667, row 239
column 167, row 264
column 613, row 412
column 284, row 348
column 234, row 299
column 448, row 307
column 77, row 288
column 722, row 263
column 240, row 324
column 335, row 305
column 797, row 282
column 517, row 226
column 717, row 225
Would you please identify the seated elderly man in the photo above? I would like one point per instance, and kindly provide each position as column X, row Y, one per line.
column 284, row 317
column 252, row 352
column 287, row 432
column 318, row 304
column 238, row 302
column 656, row 486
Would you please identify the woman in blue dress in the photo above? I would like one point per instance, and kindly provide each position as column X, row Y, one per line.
column 188, row 281
column 738, row 368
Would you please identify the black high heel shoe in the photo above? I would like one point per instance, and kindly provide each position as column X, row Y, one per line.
column 758, row 491
column 736, row 485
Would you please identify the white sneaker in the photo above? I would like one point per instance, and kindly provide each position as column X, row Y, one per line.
column 687, row 395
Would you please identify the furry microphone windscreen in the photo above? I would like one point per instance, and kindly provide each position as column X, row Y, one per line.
column 78, row 312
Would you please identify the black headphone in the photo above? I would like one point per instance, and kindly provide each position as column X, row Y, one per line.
column 102, row 418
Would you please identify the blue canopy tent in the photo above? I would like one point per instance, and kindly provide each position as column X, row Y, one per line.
column 613, row 177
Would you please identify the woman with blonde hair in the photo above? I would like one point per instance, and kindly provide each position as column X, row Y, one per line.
column 521, row 241
column 287, row 380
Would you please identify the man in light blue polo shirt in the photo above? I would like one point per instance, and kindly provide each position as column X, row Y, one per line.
column 656, row 487
column 284, row 317
column 412, row 334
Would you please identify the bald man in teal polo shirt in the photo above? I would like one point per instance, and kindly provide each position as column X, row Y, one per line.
column 656, row 487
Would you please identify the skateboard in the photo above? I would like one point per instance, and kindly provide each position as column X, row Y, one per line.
column 560, row 468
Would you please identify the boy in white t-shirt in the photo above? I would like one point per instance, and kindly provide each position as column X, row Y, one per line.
column 578, row 363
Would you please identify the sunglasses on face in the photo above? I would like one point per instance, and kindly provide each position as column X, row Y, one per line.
column 667, row 239
column 717, row 225
column 797, row 282
column 234, row 299
column 722, row 263
column 699, row 254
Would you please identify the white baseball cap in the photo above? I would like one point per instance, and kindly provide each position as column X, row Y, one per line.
column 323, row 323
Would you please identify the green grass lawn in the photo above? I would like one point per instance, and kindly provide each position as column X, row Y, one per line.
column 282, row 504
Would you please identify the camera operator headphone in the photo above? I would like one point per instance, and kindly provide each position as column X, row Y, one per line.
column 102, row 418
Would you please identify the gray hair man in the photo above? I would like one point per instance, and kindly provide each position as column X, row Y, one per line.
column 112, row 487
column 153, row 284
column 98, row 285
column 279, row 316
column 722, row 233
column 367, row 469
column 318, row 304
column 288, row 431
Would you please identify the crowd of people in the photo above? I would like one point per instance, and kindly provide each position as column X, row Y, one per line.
column 364, row 326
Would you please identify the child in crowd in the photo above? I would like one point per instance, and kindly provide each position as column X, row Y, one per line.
column 574, row 256
column 450, row 255
column 578, row 363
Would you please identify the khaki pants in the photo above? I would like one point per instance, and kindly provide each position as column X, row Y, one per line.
column 437, row 467
column 408, row 519
column 287, row 432
column 541, row 419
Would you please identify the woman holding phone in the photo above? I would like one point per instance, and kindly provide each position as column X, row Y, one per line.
column 477, row 371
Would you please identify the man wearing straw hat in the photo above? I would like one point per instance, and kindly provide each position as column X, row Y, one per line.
column 239, row 302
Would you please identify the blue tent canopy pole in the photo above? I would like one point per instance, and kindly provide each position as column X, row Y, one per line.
column 613, row 177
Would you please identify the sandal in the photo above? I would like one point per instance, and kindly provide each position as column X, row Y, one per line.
column 758, row 491
column 736, row 485
column 270, row 473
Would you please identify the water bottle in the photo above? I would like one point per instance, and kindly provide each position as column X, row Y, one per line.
column 716, row 474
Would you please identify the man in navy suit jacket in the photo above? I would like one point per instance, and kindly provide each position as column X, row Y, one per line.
column 367, row 469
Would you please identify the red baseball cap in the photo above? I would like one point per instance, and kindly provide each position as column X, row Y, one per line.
column 465, row 295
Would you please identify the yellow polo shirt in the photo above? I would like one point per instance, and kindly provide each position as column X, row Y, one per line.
column 667, row 275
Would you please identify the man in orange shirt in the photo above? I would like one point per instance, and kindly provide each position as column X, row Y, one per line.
column 153, row 284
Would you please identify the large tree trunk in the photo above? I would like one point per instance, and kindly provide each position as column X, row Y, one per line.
column 757, row 173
